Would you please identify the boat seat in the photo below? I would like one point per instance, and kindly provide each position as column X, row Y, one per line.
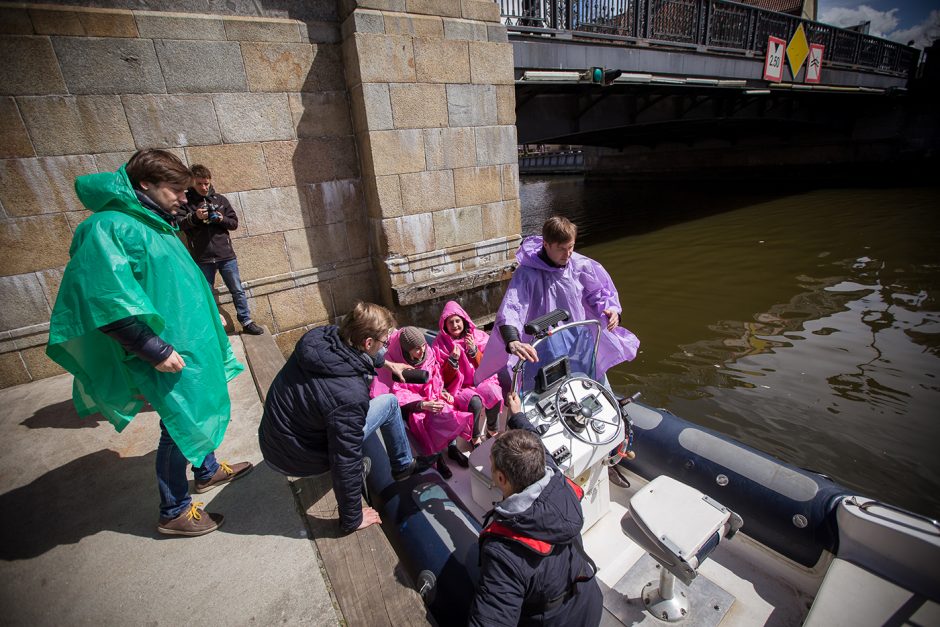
column 679, row 527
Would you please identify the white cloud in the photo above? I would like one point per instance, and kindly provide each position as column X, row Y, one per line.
column 885, row 23
column 882, row 22
column 922, row 34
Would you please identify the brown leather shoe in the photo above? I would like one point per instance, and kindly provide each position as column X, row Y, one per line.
column 224, row 474
column 192, row 522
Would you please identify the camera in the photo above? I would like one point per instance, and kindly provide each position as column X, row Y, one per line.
column 215, row 212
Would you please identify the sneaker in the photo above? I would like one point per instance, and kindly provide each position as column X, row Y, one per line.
column 442, row 468
column 252, row 329
column 224, row 474
column 193, row 522
column 454, row 453
column 418, row 464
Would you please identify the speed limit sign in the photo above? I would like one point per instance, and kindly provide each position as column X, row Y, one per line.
column 773, row 64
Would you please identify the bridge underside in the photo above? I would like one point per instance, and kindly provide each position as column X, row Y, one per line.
column 622, row 115
column 650, row 131
column 681, row 110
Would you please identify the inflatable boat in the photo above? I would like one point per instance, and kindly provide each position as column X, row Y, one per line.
column 686, row 525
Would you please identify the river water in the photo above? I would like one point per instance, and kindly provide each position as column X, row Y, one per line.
column 805, row 324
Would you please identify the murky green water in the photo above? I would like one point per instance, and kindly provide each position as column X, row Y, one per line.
column 806, row 325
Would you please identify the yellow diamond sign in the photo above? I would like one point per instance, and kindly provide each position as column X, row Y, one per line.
column 797, row 51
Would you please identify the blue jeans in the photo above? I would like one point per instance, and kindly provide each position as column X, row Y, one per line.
column 229, row 271
column 385, row 413
column 171, row 475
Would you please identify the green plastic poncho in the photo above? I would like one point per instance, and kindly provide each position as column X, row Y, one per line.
column 127, row 261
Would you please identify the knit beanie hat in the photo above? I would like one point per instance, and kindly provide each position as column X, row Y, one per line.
column 409, row 338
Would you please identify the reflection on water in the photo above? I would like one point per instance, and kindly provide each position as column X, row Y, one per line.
column 806, row 325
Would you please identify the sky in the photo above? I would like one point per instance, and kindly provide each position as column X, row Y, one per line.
column 898, row 20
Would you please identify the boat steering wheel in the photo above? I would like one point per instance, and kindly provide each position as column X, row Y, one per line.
column 580, row 413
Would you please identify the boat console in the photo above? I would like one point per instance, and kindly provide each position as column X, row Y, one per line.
column 578, row 418
column 579, row 422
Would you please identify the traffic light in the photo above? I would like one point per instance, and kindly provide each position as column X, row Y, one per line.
column 600, row 76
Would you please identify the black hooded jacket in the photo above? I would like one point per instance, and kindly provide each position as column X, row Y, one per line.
column 517, row 584
column 209, row 242
column 315, row 416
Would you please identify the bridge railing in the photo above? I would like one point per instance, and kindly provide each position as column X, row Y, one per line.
column 715, row 24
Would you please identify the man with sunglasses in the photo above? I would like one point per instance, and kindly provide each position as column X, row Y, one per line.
column 317, row 413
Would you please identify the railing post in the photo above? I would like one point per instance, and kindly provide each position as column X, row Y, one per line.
column 637, row 8
column 569, row 13
column 751, row 35
column 705, row 7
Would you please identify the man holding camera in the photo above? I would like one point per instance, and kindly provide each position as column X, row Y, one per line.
column 209, row 218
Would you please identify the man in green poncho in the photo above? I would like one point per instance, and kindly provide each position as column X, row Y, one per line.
column 135, row 322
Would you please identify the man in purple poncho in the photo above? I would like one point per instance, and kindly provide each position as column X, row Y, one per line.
column 552, row 276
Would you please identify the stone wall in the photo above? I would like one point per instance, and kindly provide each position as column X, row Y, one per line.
column 394, row 180
column 262, row 102
column 432, row 91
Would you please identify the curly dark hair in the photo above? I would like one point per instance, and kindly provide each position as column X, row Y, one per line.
column 200, row 171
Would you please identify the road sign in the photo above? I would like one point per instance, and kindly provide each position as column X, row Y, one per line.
column 797, row 50
column 814, row 65
column 773, row 64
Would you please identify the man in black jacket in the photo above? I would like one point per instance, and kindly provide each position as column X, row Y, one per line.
column 207, row 220
column 317, row 412
column 533, row 568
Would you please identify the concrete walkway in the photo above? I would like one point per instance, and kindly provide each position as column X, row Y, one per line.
column 78, row 514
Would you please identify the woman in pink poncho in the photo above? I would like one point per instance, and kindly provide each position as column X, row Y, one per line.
column 459, row 348
column 432, row 418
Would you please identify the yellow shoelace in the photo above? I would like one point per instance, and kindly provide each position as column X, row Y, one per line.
column 228, row 469
column 194, row 511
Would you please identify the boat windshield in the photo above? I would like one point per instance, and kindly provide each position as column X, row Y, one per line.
column 576, row 341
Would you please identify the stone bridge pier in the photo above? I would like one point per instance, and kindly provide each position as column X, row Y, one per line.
column 432, row 95
column 368, row 146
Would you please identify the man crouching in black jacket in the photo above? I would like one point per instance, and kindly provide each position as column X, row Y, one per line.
column 317, row 412
column 534, row 570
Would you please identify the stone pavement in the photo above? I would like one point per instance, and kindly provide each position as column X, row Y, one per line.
column 78, row 514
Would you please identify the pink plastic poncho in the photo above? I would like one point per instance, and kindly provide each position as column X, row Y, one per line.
column 462, row 387
column 582, row 287
column 432, row 431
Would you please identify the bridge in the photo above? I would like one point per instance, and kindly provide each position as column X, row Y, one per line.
column 686, row 64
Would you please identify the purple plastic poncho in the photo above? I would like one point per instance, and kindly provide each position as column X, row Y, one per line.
column 582, row 287
column 462, row 387
column 432, row 431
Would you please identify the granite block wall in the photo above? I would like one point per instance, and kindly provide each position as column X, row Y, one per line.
column 261, row 101
column 431, row 87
